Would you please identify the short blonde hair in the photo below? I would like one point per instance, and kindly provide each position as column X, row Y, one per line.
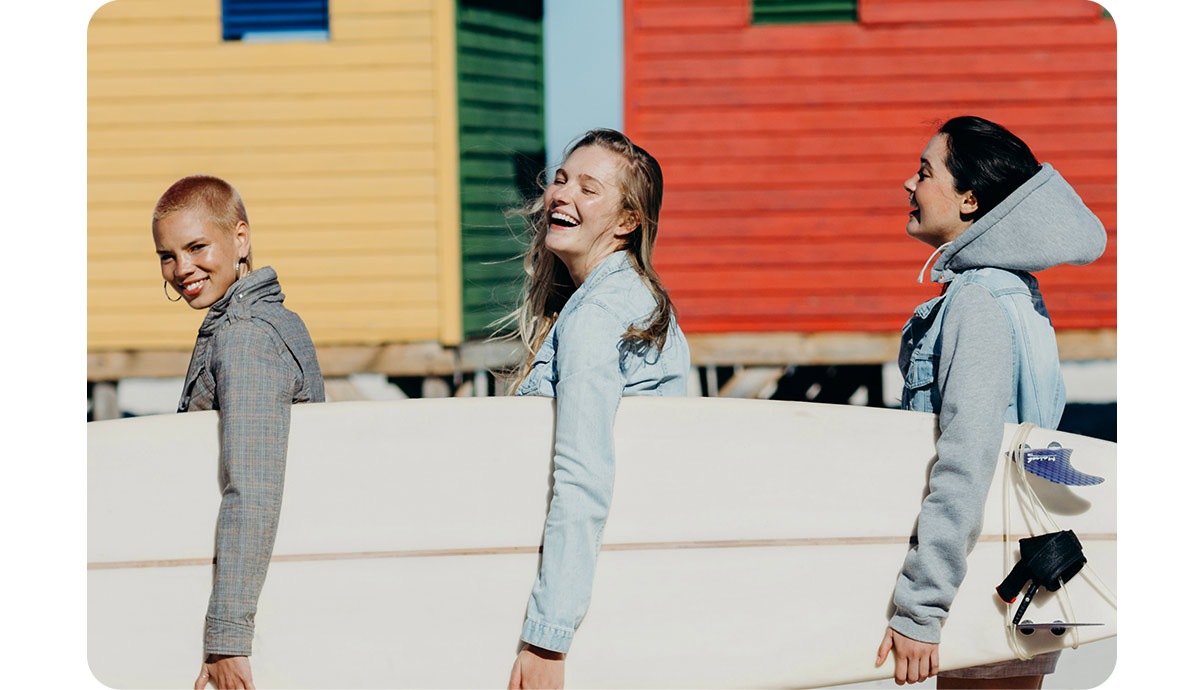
column 213, row 196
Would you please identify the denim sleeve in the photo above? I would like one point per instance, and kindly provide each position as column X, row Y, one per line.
column 588, row 392
column 975, row 379
column 256, row 379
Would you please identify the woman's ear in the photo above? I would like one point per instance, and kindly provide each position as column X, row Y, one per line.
column 242, row 239
column 969, row 204
column 629, row 223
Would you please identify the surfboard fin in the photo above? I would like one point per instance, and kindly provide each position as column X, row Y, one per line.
column 1053, row 464
column 1047, row 560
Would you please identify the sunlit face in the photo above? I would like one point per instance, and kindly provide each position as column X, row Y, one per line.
column 939, row 213
column 197, row 258
column 583, row 202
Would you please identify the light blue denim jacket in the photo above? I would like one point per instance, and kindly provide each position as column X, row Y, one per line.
column 584, row 364
column 1037, row 391
column 982, row 354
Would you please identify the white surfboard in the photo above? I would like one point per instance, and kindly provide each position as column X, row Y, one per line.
column 751, row 544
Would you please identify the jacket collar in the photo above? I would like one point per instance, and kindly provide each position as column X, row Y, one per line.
column 618, row 261
column 258, row 285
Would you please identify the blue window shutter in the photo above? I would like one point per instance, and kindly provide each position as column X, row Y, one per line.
column 241, row 18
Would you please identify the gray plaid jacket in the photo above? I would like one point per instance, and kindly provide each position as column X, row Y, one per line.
column 253, row 359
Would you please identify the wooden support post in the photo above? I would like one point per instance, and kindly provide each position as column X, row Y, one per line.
column 104, row 401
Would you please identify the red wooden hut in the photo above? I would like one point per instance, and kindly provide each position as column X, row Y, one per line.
column 786, row 131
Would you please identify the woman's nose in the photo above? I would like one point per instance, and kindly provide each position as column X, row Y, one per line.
column 183, row 265
column 558, row 195
column 910, row 183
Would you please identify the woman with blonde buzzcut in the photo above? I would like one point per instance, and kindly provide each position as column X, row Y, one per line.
column 252, row 360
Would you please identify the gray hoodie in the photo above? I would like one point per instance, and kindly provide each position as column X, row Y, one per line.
column 1040, row 225
column 982, row 354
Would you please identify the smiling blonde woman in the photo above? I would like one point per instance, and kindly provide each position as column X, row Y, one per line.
column 597, row 325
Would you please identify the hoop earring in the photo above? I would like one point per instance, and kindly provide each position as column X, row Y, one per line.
column 168, row 296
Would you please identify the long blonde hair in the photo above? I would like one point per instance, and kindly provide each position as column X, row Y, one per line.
column 548, row 285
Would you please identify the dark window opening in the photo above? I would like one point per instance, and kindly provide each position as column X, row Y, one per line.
column 275, row 20
column 803, row 11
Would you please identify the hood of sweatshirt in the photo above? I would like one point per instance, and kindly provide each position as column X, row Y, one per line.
column 1040, row 225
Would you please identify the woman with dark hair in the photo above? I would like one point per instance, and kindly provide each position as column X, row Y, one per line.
column 597, row 325
column 979, row 355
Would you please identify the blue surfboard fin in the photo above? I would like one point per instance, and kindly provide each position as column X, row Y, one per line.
column 1053, row 463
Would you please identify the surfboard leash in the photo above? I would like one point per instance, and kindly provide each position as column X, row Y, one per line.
column 1047, row 560
column 1036, row 510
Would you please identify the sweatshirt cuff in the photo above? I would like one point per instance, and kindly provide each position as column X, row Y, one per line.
column 549, row 637
column 225, row 637
column 928, row 631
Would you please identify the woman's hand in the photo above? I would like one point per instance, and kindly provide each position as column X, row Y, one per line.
column 915, row 661
column 537, row 668
column 226, row 673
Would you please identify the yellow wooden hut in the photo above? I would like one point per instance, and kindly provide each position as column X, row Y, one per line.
column 343, row 125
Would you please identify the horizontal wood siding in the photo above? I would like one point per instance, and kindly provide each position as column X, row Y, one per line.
column 785, row 148
column 333, row 145
column 500, row 71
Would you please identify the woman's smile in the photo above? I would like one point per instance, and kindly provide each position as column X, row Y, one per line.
column 190, row 290
column 197, row 258
column 562, row 219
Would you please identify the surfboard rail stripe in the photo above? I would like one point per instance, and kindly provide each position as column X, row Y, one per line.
column 506, row 550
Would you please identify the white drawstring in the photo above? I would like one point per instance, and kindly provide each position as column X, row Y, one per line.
column 938, row 250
